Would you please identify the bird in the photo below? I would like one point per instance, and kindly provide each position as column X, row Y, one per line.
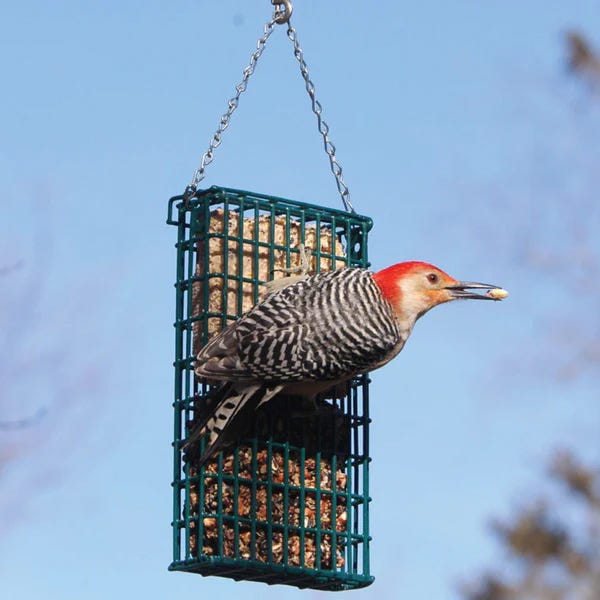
column 315, row 333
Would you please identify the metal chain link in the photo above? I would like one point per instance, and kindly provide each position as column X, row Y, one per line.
column 215, row 141
column 317, row 108
column 282, row 15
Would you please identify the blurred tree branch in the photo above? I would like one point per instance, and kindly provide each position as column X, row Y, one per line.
column 552, row 558
column 48, row 387
column 12, row 425
column 582, row 60
column 552, row 549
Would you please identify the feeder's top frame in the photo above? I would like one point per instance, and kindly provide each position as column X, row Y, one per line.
column 282, row 15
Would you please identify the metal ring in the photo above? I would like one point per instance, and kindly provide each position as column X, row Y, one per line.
column 282, row 15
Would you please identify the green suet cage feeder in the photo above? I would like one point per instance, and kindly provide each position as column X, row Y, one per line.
column 289, row 503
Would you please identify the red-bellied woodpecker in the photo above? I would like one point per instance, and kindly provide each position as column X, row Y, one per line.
column 317, row 332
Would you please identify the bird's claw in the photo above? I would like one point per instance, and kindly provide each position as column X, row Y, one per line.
column 294, row 274
column 304, row 267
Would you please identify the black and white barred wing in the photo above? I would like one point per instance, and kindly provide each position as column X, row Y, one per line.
column 328, row 327
column 343, row 327
column 219, row 359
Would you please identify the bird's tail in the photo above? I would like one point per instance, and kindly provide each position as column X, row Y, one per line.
column 224, row 408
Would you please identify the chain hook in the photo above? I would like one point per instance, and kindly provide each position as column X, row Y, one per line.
column 283, row 11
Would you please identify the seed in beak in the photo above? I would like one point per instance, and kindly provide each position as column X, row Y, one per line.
column 497, row 294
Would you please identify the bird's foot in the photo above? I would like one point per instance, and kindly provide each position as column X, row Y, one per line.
column 304, row 267
column 295, row 274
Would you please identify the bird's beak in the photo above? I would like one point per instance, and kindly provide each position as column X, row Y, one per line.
column 461, row 291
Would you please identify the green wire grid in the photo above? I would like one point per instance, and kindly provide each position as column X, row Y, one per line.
column 290, row 503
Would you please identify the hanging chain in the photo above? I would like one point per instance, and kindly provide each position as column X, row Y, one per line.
column 283, row 11
column 336, row 169
column 215, row 141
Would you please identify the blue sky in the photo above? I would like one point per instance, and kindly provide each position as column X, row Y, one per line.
column 442, row 116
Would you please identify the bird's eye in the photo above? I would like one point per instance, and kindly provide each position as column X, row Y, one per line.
column 432, row 278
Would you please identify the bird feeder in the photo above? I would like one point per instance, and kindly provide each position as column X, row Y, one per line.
column 288, row 502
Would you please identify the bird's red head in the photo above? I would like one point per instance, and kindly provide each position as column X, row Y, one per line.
column 414, row 287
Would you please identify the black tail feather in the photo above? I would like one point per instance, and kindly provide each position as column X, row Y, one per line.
column 221, row 421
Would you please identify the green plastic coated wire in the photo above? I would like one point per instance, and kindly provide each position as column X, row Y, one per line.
column 298, row 512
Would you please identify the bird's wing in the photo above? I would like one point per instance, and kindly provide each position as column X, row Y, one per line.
column 293, row 336
column 242, row 355
column 220, row 358
column 304, row 352
column 228, row 355
column 300, row 351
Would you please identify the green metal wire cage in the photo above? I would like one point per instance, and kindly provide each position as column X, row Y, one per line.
column 289, row 503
